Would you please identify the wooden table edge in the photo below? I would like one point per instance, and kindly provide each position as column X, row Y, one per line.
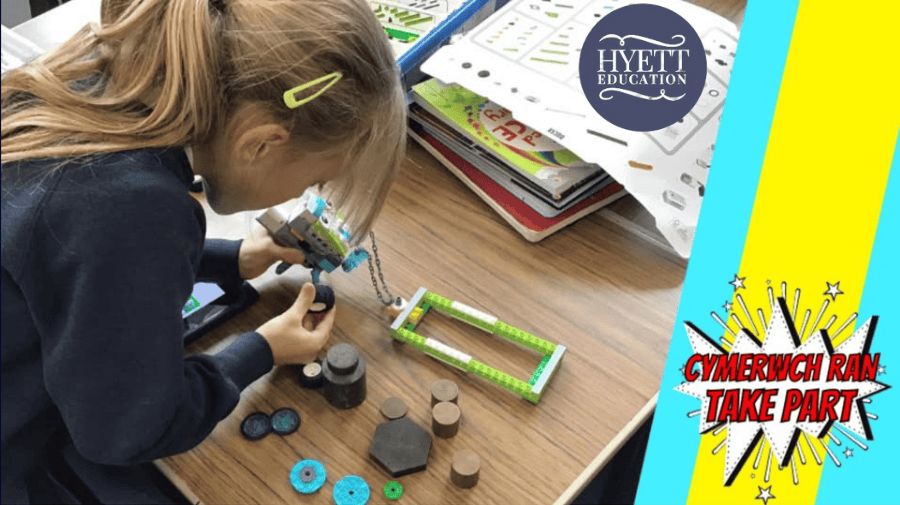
column 179, row 483
column 569, row 495
column 591, row 471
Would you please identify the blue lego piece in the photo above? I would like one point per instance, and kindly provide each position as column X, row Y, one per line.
column 316, row 206
column 326, row 265
column 354, row 259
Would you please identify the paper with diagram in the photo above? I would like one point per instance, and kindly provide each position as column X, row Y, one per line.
column 525, row 58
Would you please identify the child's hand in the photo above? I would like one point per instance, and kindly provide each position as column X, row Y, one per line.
column 294, row 336
column 259, row 251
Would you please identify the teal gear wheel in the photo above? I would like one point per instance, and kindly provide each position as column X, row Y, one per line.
column 351, row 490
column 308, row 476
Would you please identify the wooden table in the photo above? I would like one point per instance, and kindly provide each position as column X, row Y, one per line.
column 601, row 290
column 607, row 296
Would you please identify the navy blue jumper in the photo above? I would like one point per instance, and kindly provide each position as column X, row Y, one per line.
column 99, row 257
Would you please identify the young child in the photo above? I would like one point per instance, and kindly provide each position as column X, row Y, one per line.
column 102, row 243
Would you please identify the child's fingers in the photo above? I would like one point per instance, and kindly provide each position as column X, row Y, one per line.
column 309, row 323
column 288, row 254
column 304, row 298
column 324, row 326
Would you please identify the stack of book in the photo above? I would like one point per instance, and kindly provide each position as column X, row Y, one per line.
column 535, row 184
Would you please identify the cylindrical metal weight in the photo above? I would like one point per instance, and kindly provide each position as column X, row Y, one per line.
column 344, row 371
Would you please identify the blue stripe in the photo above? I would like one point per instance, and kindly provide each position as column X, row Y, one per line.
column 721, row 233
column 870, row 476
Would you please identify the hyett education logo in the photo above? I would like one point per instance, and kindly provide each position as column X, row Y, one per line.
column 642, row 67
column 794, row 390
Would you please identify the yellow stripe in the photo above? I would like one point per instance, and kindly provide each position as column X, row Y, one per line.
column 818, row 201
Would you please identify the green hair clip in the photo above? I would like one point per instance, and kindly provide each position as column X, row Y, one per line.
column 289, row 96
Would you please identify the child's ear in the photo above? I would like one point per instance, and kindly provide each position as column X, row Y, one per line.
column 258, row 141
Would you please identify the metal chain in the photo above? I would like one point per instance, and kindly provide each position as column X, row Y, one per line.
column 390, row 298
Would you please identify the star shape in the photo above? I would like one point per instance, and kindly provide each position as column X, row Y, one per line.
column 738, row 282
column 848, row 453
column 833, row 290
column 881, row 370
column 727, row 306
column 765, row 494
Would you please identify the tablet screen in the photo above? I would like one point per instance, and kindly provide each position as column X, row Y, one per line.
column 204, row 293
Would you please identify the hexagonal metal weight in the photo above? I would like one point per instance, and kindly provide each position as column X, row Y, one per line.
column 400, row 447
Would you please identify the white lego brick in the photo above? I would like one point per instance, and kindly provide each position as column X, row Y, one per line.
column 449, row 351
column 477, row 314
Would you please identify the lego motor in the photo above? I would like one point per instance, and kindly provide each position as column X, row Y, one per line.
column 318, row 230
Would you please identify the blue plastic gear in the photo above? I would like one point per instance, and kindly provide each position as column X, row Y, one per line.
column 308, row 476
column 351, row 490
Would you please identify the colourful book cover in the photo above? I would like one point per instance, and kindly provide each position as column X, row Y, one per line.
column 552, row 167
column 779, row 385
column 531, row 225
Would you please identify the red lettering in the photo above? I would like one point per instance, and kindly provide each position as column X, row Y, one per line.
column 851, row 371
column 746, row 365
column 830, row 398
column 794, row 374
column 714, row 395
column 861, row 367
column 709, row 361
column 748, row 410
column 848, row 396
column 759, row 364
column 814, row 369
column 506, row 134
column 792, row 400
column 689, row 372
column 778, row 367
column 493, row 115
column 809, row 408
column 529, row 138
column 835, row 366
column 726, row 367
column 730, row 405
column 512, row 124
column 869, row 367
column 765, row 409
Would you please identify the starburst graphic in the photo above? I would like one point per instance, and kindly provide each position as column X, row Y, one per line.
column 738, row 282
column 803, row 394
column 848, row 452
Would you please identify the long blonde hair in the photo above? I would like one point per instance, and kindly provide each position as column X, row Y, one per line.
column 164, row 73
